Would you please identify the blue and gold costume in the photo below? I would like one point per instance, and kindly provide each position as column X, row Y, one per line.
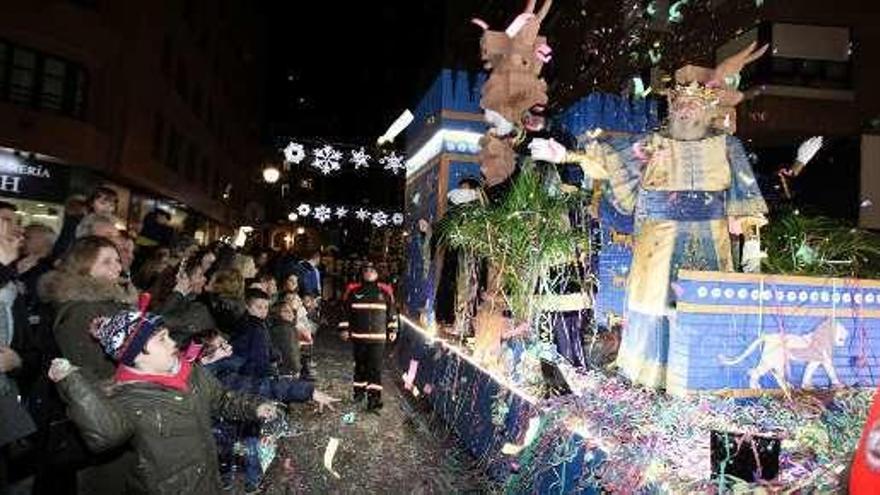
column 683, row 194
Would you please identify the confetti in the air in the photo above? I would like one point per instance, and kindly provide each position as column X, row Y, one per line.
column 329, row 454
column 531, row 434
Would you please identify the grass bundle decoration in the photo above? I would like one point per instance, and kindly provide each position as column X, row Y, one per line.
column 521, row 236
column 799, row 244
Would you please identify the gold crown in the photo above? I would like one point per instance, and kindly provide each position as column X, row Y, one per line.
column 711, row 96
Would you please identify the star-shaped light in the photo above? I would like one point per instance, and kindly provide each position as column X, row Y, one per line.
column 322, row 213
column 360, row 158
column 303, row 210
column 327, row 159
column 341, row 211
column 380, row 219
column 393, row 162
column 294, row 153
column 397, row 219
column 362, row 214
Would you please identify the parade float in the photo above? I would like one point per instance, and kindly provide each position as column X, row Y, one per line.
column 577, row 318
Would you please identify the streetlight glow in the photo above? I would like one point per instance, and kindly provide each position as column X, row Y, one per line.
column 271, row 174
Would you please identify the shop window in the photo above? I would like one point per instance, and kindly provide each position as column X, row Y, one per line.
column 35, row 79
column 54, row 74
column 24, row 68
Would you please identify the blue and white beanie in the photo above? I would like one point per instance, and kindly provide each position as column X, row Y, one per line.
column 125, row 334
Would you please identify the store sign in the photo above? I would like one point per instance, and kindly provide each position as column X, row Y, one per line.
column 32, row 179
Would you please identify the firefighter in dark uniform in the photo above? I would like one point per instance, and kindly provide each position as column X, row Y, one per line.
column 371, row 319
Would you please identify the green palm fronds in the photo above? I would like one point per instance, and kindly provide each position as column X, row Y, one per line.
column 820, row 246
column 522, row 236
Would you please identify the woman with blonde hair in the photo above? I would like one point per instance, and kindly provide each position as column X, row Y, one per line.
column 85, row 286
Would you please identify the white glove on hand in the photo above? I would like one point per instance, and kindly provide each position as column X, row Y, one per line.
column 462, row 196
column 547, row 150
column 808, row 149
column 60, row 369
column 752, row 256
column 495, row 120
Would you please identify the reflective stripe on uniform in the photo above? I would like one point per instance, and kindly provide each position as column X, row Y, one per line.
column 359, row 384
column 368, row 336
column 343, row 324
column 392, row 324
column 369, row 306
column 373, row 386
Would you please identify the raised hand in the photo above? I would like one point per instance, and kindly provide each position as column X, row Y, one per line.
column 60, row 369
column 323, row 400
column 501, row 125
column 9, row 359
column 547, row 150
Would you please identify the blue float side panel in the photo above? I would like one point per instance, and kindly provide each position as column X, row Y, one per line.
column 721, row 316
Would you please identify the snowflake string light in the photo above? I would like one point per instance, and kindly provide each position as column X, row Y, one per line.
column 294, row 153
column 327, row 159
column 393, row 162
column 360, row 158
column 303, row 210
column 322, row 213
column 362, row 214
column 380, row 219
column 341, row 211
column 397, row 219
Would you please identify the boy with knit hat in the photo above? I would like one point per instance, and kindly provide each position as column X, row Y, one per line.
column 159, row 402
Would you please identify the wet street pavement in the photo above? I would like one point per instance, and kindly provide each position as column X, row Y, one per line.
column 400, row 450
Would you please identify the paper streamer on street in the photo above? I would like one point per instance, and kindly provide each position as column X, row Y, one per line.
column 329, row 454
column 531, row 434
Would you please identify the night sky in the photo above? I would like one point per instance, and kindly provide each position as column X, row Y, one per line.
column 345, row 70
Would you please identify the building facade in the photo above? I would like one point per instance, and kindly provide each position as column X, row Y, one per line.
column 160, row 98
column 817, row 78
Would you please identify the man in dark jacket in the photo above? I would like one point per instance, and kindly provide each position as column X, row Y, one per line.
column 161, row 405
column 371, row 318
column 16, row 362
column 19, row 358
